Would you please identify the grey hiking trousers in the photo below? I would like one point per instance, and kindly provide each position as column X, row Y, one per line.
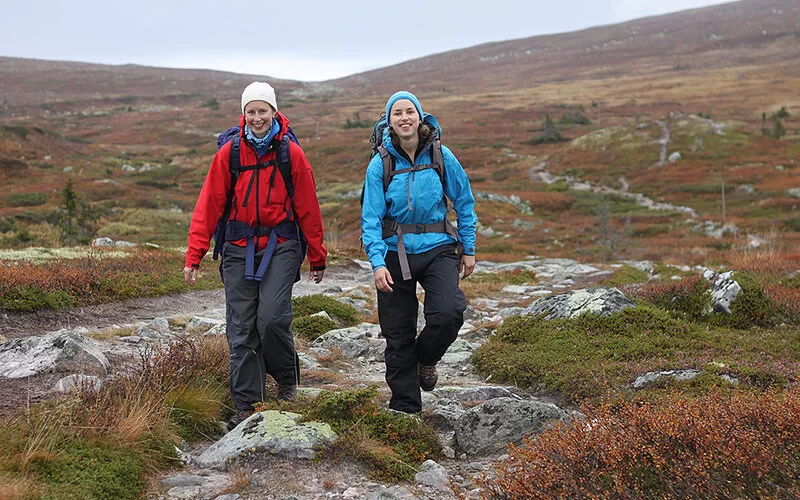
column 259, row 316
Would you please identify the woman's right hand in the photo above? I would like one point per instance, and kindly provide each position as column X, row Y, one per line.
column 383, row 279
column 190, row 275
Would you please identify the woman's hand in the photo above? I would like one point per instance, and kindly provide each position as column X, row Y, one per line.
column 383, row 279
column 467, row 265
column 190, row 275
column 316, row 276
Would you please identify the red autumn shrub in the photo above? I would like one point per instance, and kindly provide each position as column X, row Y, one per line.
column 744, row 445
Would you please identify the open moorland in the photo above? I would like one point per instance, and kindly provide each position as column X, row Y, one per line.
column 654, row 150
column 716, row 87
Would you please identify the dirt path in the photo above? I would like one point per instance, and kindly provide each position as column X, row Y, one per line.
column 16, row 324
column 18, row 393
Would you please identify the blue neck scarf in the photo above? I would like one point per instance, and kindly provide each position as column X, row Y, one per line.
column 262, row 144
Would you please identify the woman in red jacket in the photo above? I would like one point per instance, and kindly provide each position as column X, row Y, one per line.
column 267, row 229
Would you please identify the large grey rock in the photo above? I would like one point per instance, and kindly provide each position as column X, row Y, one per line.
column 269, row 432
column 602, row 301
column 352, row 342
column 491, row 426
column 724, row 290
column 63, row 350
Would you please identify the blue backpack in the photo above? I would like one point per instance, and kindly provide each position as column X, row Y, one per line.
column 287, row 229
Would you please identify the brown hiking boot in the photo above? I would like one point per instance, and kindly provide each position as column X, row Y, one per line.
column 238, row 418
column 287, row 392
column 428, row 376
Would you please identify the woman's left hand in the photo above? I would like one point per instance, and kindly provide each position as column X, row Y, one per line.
column 316, row 276
column 467, row 265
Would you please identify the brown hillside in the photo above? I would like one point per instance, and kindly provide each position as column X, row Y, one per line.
column 705, row 84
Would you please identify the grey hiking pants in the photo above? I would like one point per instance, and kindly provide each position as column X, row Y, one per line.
column 259, row 316
column 437, row 272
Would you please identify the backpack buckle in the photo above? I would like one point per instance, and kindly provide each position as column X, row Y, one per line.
column 419, row 228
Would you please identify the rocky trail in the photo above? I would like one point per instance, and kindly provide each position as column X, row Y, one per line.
column 461, row 394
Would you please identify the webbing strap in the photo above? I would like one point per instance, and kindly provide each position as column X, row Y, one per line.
column 391, row 228
column 238, row 230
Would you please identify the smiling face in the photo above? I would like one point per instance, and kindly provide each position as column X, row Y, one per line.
column 404, row 119
column 258, row 115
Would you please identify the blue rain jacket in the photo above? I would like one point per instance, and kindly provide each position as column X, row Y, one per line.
column 415, row 198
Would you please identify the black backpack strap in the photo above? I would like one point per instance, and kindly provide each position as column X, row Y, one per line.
column 388, row 166
column 285, row 165
column 234, row 165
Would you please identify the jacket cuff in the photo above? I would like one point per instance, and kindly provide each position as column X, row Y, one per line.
column 318, row 267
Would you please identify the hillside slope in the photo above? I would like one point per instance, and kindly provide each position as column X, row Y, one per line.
column 707, row 87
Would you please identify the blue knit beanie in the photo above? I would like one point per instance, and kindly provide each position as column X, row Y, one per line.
column 403, row 94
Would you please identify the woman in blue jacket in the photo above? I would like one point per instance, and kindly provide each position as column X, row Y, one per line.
column 409, row 239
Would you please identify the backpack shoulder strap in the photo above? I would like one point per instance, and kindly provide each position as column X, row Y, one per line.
column 437, row 159
column 235, row 166
column 285, row 165
column 388, row 166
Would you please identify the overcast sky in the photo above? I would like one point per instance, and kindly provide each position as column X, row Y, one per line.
column 306, row 40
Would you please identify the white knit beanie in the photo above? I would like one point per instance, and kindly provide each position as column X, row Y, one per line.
column 259, row 91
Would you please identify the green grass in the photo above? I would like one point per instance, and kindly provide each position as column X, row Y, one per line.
column 90, row 469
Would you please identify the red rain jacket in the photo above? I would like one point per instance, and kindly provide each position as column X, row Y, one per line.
column 268, row 203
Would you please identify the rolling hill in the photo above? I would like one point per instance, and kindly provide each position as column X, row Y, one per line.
column 681, row 138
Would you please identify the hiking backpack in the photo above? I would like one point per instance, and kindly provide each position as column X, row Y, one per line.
column 284, row 164
column 392, row 227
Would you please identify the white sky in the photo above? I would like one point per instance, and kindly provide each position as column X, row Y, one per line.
column 306, row 40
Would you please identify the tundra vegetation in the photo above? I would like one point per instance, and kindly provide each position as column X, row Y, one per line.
column 730, row 431
column 568, row 160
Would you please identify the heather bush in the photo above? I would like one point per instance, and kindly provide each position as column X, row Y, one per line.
column 739, row 445
column 312, row 326
column 586, row 357
column 688, row 298
column 98, row 277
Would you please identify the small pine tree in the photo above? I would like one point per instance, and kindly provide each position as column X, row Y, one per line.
column 69, row 207
column 549, row 132
column 76, row 218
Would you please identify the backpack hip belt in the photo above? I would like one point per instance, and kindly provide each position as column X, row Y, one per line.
column 392, row 227
column 239, row 230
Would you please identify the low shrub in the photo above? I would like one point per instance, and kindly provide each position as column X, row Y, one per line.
column 96, row 278
column 392, row 445
column 312, row 326
column 742, row 445
column 689, row 297
column 90, row 469
column 305, row 305
column 586, row 357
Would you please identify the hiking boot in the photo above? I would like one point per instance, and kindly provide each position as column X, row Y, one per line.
column 238, row 418
column 428, row 376
column 287, row 392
